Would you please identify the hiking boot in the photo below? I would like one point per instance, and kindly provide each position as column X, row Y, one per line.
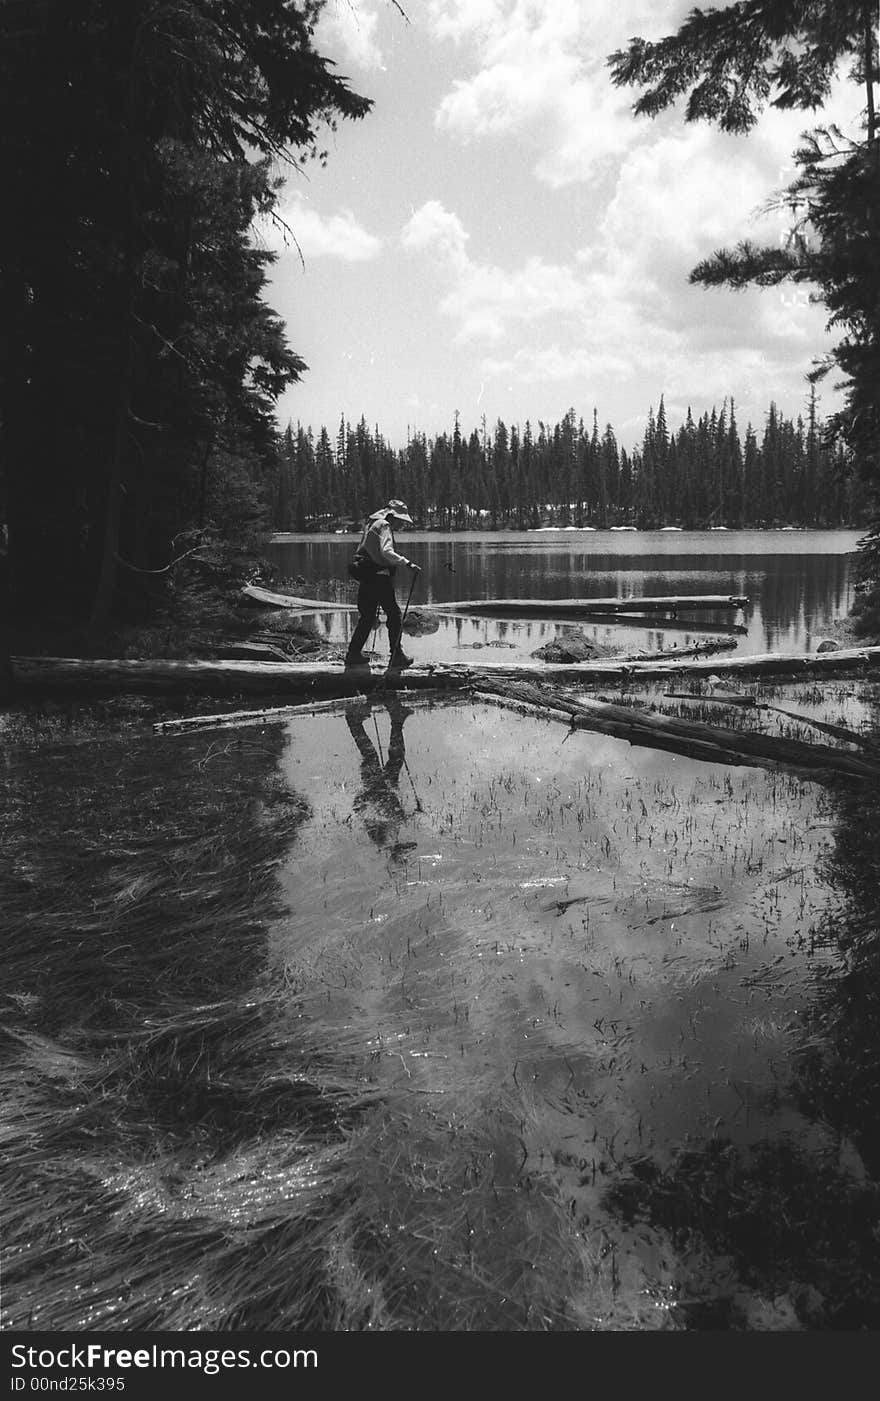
column 356, row 659
column 399, row 659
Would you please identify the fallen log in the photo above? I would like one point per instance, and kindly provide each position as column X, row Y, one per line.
column 236, row 719
column 585, row 607
column 700, row 649
column 576, row 647
column 625, row 610
column 695, row 750
column 668, row 623
column 752, row 703
column 711, row 744
column 689, row 737
column 255, row 594
column 85, row 675
column 249, row 652
column 560, row 607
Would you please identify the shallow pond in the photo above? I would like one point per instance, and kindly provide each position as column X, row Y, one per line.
column 616, row 945
column 438, row 1016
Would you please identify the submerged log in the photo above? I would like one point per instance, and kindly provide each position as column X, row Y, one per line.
column 237, row 719
column 667, row 623
column 752, row 703
column 689, row 737
column 88, row 676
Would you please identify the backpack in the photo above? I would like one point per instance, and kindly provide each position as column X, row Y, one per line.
column 360, row 566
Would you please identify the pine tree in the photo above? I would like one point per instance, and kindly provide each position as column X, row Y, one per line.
column 609, row 479
column 729, row 63
column 141, row 364
column 753, row 506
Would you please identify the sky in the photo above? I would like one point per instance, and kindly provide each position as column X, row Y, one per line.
column 501, row 237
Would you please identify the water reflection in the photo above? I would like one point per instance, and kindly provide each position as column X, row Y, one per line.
column 839, row 1072
column 780, row 1233
column 798, row 583
column 378, row 802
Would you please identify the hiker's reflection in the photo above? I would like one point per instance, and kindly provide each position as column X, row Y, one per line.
column 378, row 802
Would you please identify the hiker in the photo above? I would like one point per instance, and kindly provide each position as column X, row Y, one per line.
column 374, row 566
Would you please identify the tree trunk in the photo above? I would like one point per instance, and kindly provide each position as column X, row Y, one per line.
column 689, row 737
column 586, row 607
column 121, row 416
column 529, row 607
column 61, row 674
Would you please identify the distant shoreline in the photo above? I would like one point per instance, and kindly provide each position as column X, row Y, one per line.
column 281, row 536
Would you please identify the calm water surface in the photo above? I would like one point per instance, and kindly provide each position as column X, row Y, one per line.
column 798, row 583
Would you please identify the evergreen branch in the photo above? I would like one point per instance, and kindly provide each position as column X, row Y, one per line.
column 766, row 267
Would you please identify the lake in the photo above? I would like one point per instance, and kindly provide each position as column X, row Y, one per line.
column 417, row 1013
column 798, row 583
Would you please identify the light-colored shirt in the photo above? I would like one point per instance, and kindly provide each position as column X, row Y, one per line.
column 378, row 543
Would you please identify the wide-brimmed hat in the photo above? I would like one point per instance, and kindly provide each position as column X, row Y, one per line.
column 400, row 511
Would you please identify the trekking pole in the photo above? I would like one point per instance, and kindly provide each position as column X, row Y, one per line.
column 419, row 807
column 415, row 575
column 378, row 740
column 399, row 642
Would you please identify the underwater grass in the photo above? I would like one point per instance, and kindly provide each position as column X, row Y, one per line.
column 183, row 1149
column 198, row 1133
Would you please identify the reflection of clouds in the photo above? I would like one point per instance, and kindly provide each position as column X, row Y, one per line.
column 635, row 1026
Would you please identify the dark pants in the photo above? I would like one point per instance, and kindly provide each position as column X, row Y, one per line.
column 374, row 593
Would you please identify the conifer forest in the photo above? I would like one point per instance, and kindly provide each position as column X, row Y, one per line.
column 707, row 473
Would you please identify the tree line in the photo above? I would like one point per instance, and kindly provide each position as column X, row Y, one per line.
column 704, row 474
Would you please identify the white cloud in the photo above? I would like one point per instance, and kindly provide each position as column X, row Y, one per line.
column 348, row 28
column 318, row 235
column 463, row 19
column 432, row 226
column 622, row 311
column 669, row 209
column 488, row 300
column 552, row 363
column 485, row 300
column 540, row 71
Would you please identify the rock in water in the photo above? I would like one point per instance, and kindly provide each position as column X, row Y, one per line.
column 568, row 647
column 828, row 645
column 421, row 621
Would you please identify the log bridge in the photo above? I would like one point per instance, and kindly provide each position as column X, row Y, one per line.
column 83, row 676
